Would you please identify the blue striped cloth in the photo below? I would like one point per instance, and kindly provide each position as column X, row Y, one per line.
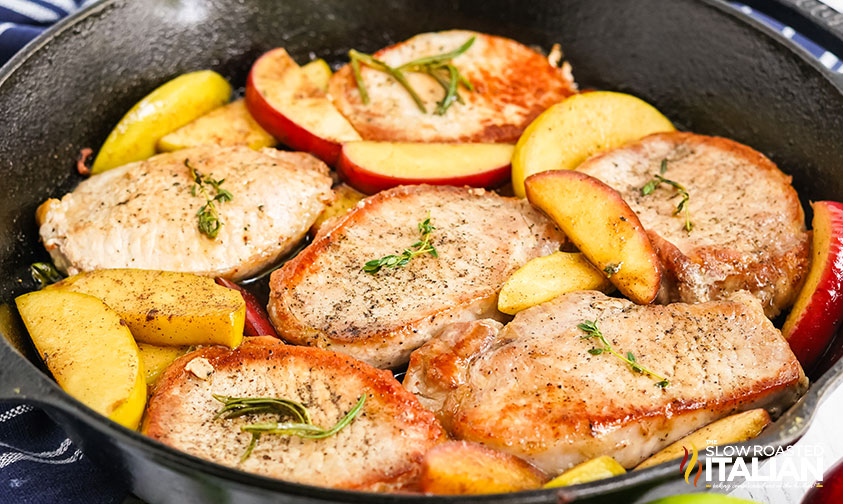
column 38, row 463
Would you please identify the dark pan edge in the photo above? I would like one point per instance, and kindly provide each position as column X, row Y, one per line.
column 803, row 410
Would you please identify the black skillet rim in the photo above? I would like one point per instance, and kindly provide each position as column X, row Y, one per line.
column 180, row 460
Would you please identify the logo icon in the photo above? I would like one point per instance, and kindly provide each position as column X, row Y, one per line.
column 691, row 464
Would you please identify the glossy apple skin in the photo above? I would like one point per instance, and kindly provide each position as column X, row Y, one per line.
column 370, row 182
column 257, row 320
column 282, row 128
column 831, row 491
column 812, row 324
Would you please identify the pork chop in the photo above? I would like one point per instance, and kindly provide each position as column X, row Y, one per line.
column 513, row 84
column 748, row 226
column 380, row 450
column 144, row 215
column 324, row 298
column 531, row 388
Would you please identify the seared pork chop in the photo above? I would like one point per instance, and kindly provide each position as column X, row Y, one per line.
column 513, row 84
column 143, row 215
column 531, row 388
column 380, row 450
column 748, row 226
column 324, row 298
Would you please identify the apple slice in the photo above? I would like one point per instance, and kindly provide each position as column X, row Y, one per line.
column 284, row 101
column 464, row 468
column 89, row 350
column 547, row 277
column 818, row 310
column 228, row 125
column 319, row 73
column 374, row 166
column 567, row 133
column 167, row 108
column 602, row 226
column 257, row 321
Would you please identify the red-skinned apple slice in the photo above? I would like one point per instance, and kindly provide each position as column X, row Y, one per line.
column 374, row 166
column 818, row 310
column 257, row 320
column 284, row 101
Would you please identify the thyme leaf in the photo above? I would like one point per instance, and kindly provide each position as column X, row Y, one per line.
column 423, row 246
column 207, row 216
column 302, row 426
column 612, row 268
column 659, row 179
column 44, row 274
column 437, row 66
column 589, row 327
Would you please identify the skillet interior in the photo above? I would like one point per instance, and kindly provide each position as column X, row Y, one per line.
column 709, row 70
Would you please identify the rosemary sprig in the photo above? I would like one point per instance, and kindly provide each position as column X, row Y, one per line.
column 208, row 217
column 238, row 406
column 44, row 274
column 234, row 407
column 423, row 246
column 592, row 331
column 658, row 179
column 437, row 66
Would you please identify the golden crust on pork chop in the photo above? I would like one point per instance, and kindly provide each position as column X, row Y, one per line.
column 513, row 85
column 324, row 298
column 531, row 388
column 380, row 450
column 748, row 226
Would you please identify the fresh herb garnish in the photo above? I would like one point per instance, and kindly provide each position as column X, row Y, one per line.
column 438, row 66
column 209, row 218
column 611, row 269
column 423, row 246
column 650, row 186
column 592, row 331
column 44, row 274
column 302, row 426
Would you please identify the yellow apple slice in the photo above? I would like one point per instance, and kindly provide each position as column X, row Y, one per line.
column 319, row 73
column 228, row 125
column 156, row 359
column 374, row 166
column 732, row 429
column 345, row 198
column 567, row 133
column 283, row 100
column 463, row 468
column 166, row 109
column 544, row 278
column 89, row 350
column 165, row 307
column 588, row 471
column 602, row 226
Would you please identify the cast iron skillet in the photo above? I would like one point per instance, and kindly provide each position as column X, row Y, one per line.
column 709, row 68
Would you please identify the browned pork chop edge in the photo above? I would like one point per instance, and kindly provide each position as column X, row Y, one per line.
column 389, row 345
column 748, row 225
column 390, row 435
column 532, row 389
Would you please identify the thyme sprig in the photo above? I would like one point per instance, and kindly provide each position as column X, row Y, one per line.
column 44, row 274
column 658, row 179
column 423, row 246
column 437, row 66
column 592, row 331
column 208, row 217
column 302, row 426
